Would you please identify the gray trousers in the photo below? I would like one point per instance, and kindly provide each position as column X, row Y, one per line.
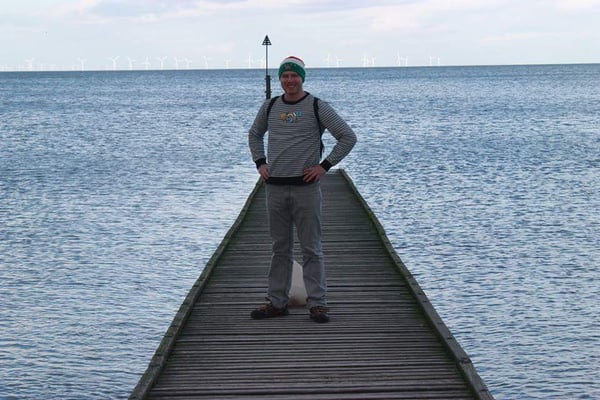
column 299, row 206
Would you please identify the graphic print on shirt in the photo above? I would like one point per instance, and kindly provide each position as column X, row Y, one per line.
column 290, row 117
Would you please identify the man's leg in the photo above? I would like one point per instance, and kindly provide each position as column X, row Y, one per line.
column 282, row 235
column 307, row 217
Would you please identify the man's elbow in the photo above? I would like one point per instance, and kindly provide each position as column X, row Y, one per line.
column 352, row 139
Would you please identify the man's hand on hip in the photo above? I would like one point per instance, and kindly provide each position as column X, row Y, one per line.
column 314, row 173
column 263, row 170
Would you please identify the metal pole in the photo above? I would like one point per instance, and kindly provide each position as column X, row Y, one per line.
column 266, row 42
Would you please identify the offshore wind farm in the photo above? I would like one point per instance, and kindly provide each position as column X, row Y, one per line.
column 44, row 36
column 118, row 63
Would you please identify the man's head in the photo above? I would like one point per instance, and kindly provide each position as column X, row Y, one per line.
column 293, row 64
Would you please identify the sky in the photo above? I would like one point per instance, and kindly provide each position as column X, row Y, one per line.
column 218, row 34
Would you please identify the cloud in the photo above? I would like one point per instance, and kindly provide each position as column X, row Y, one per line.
column 522, row 36
column 576, row 6
column 105, row 11
column 126, row 9
column 415, row 16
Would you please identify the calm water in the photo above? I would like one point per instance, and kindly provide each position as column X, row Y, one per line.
column 116, row 187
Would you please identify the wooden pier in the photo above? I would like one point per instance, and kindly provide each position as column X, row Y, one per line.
column 384, row 340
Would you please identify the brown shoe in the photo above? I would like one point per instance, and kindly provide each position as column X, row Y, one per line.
column 319, row 314
column 268, row 311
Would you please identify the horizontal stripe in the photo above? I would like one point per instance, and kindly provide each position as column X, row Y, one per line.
column 294, row 136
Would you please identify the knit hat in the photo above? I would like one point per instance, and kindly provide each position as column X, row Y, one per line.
column 294, row 64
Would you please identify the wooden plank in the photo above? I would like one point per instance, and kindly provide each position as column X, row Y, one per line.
column 385, row 339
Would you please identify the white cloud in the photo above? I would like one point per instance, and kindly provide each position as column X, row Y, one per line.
column 576, row 6
column 521, row 36
column 418, row 16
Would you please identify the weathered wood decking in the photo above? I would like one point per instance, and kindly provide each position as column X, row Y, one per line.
column 385, row 340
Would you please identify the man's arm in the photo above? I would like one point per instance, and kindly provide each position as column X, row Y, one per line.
column 340, row 130
column 256, row 136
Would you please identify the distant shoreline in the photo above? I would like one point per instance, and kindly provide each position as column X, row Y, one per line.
column 273, row 70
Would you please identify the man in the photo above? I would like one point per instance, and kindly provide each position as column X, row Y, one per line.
column 292, row 169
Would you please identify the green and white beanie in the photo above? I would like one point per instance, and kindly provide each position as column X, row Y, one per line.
column 292, row 63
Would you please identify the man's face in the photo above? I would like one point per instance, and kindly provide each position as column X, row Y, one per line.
column 291, row 83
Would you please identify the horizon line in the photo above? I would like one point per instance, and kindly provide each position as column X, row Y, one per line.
column 275, row 69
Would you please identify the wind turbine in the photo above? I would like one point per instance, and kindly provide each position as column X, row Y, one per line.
column 328, row 60
column 365, row 61
column 206, row 60
column 146, row 64
column 131, row 62
column 177, row 60
column 162, row 62
column 337, row 61
column 114, row 62
column 401, row 61
column 82, row 63
column 227, row 61
column 188, row 62
column 250, row 61
column 29, row 63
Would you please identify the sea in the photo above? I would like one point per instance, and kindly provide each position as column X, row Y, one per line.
column 117, row 186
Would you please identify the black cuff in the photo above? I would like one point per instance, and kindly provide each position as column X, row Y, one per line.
column 260, row 162
column 326, row 165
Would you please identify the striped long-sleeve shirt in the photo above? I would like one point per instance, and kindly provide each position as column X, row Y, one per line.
column 294, row 137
